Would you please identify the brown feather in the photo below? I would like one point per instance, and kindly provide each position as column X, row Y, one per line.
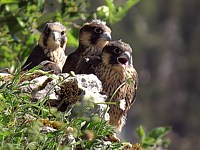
column 90, row 43
column 51, row 46
column 113, row 75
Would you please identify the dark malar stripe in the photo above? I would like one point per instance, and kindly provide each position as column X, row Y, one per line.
column 46, row 36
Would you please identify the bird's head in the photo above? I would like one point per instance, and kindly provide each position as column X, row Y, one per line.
column 117, row 55
column 95, row 33
column 53, row 36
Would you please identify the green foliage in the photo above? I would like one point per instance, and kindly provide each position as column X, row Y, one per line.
column 112, row 13
column 155, row 138
column 21, row 122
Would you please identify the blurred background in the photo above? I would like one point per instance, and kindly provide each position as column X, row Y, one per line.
column 164, row 35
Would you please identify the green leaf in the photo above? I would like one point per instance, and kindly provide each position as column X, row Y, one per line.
column 140, row 131
column 159, row 132
column 9, row 1
column 110, row 4
column 148, row 142
column 117, row 13
column 21, row 23
column 103, row 11
column 40, row 4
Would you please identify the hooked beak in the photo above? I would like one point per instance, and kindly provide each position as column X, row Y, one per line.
column 106, row 36
column 61, row 38
column 124, row 59
column 56, row 35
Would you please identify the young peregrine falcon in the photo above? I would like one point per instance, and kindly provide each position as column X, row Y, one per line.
column 50, row 48
column 115, row 70
column 93, row 37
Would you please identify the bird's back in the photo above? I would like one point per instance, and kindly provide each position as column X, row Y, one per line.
column 71, row 62
column 35, row 58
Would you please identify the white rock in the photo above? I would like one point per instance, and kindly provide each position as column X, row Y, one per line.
column 86, row 90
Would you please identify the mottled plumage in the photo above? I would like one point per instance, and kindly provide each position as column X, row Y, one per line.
column 115, row 70
column 93, row 37
column 50, row 47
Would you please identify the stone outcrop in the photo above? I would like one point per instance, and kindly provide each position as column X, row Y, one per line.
column 64, row 91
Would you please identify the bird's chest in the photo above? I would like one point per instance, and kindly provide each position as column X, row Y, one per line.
column 111, row 81
column 58, row 56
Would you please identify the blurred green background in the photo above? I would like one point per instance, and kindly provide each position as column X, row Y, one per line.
column 164, row 35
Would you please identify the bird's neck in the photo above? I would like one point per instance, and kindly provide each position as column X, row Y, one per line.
column 57, row 55
column 89, row 50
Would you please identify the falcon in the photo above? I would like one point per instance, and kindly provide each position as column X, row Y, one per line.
column 93, row 36
column 50, row 49
column 114, row 68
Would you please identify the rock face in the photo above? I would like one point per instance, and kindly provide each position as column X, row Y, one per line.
column 64, row 92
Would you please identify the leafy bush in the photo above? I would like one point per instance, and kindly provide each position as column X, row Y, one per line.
column 25, row 124
column 22, row 123
column 155, row 139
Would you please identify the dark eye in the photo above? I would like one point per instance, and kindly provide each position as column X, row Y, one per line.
column 117, row 50
column 63, row 33
column 97, row 30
